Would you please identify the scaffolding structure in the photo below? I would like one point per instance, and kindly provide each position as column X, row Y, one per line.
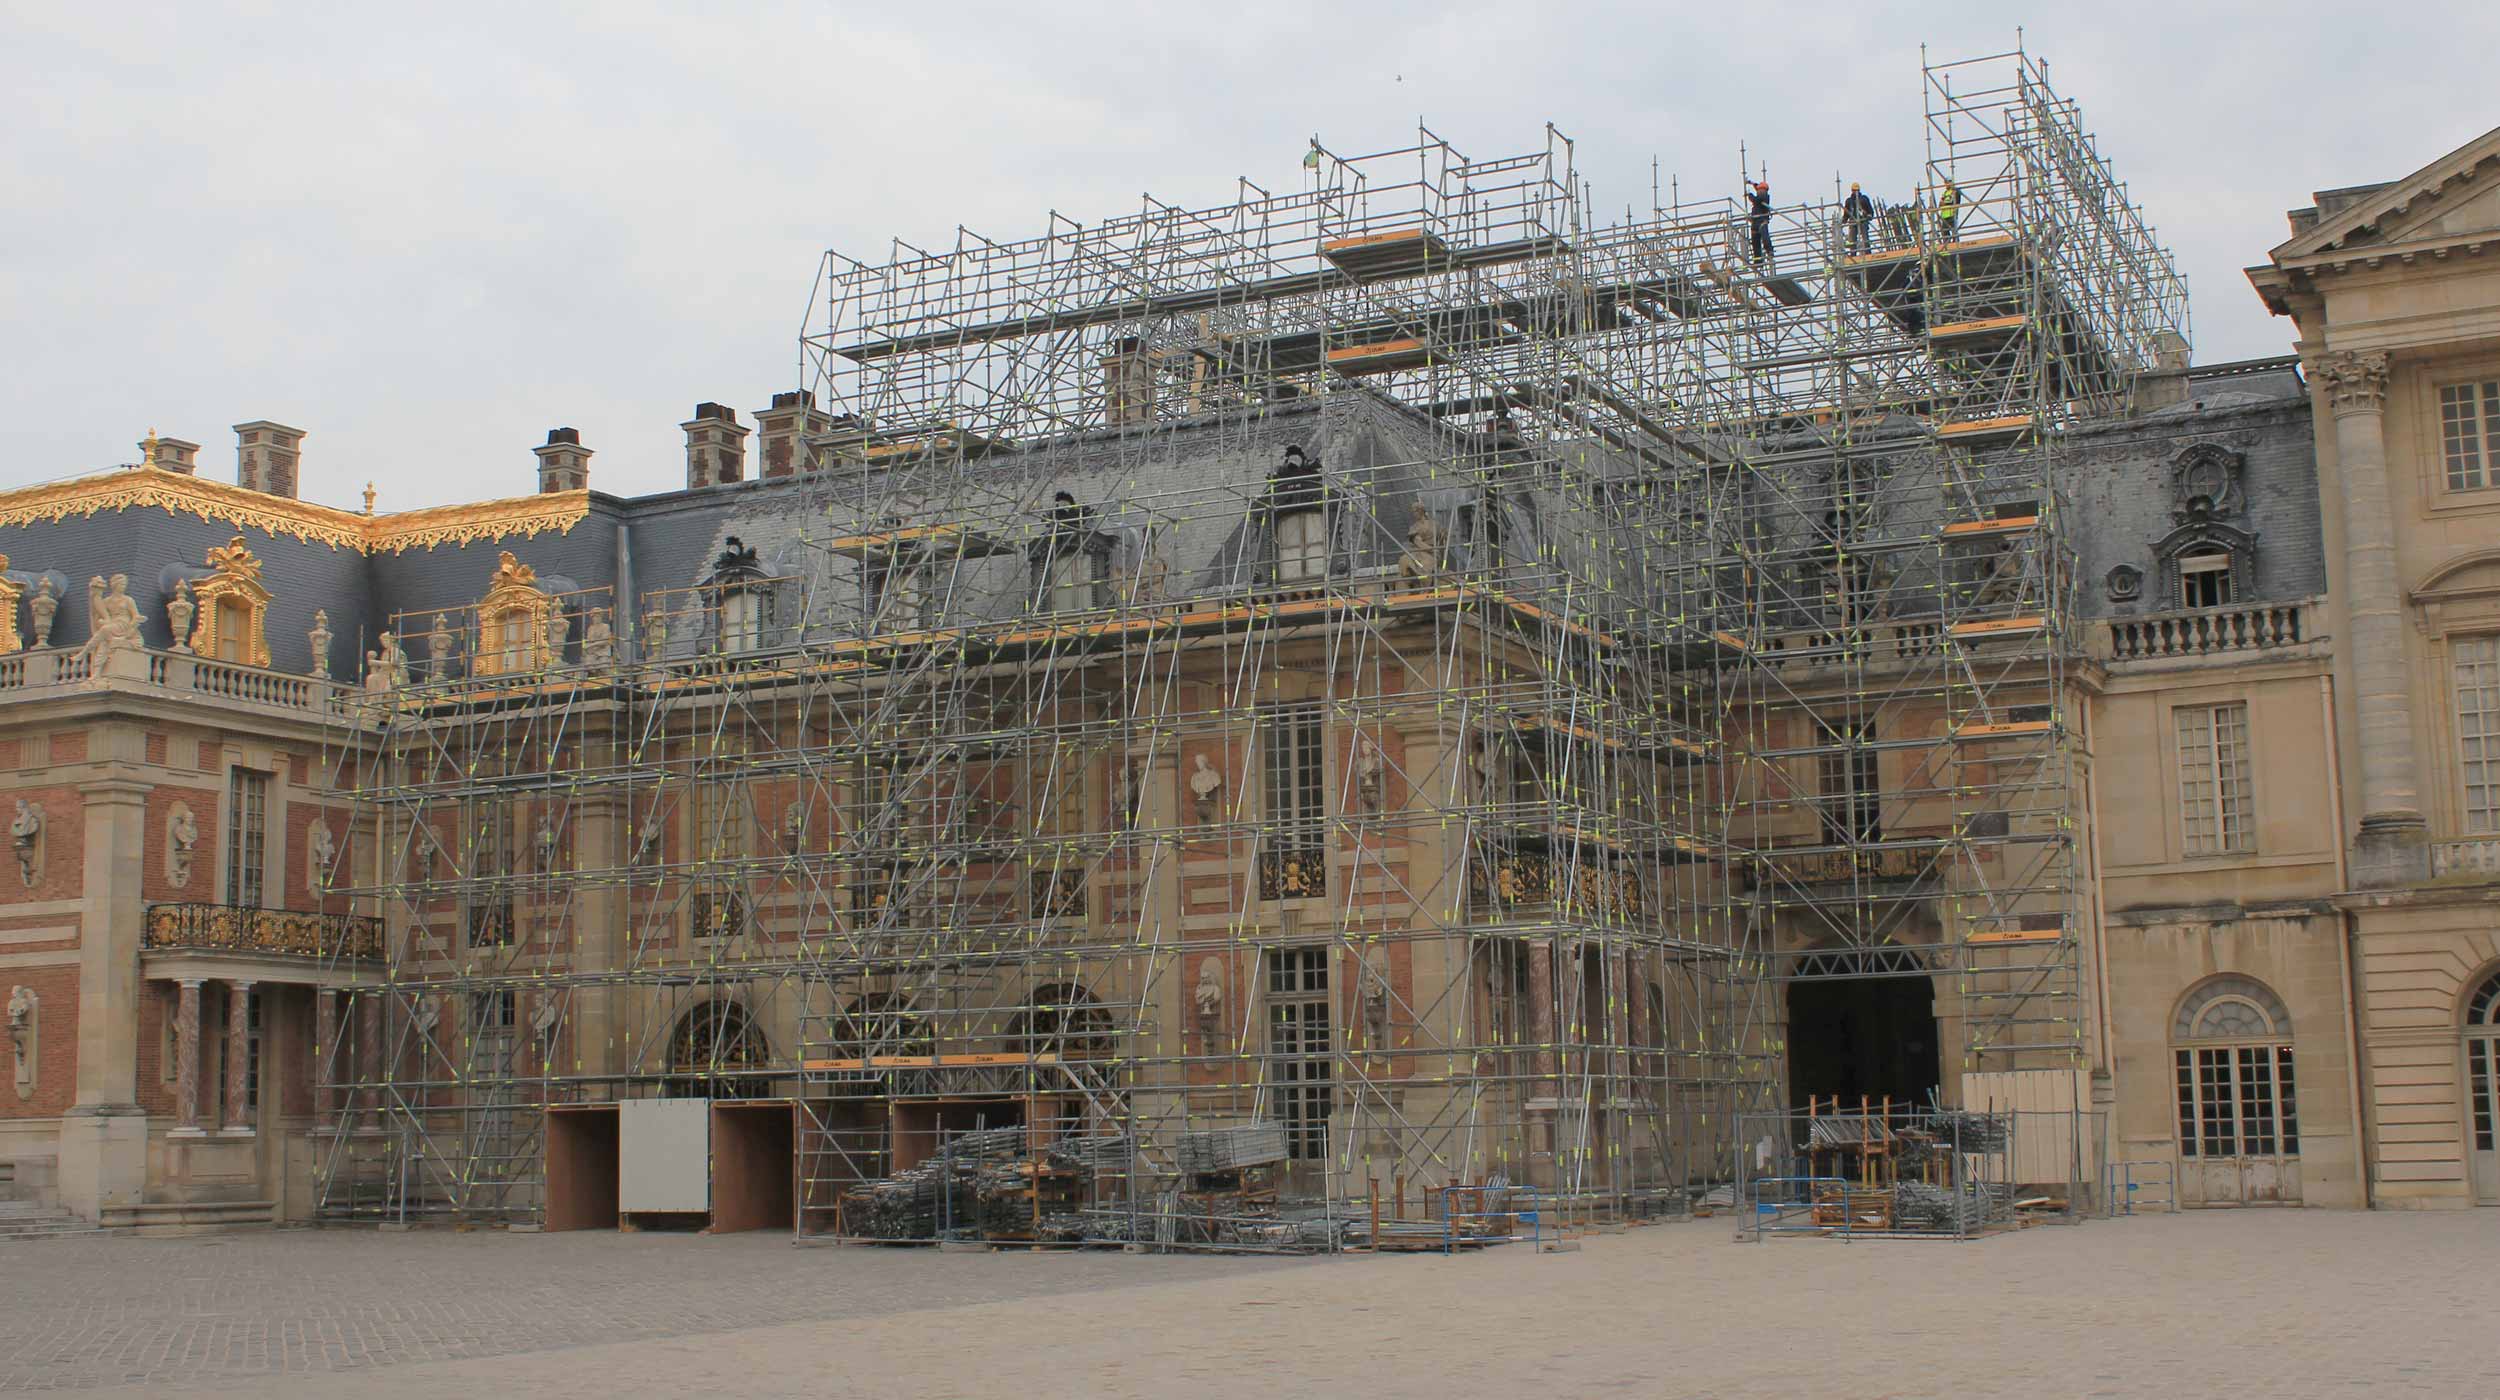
column 1348, row 694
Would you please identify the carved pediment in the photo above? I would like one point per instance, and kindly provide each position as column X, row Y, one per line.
column 2475, row 575
column 2455, row 196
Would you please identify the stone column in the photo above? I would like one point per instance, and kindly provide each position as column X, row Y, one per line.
column 1544, row 1091
column 327, row 1061
column 187, row 1058
column 2389, row 847
column 238, row 1056
column 367, row 1013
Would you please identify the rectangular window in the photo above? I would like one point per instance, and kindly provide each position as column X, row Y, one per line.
column 1299, row 1044
column 247, row 821
column 2469, row 433
column 490, row 865
column 2482, row 1059
column 2477, row 666
column 2217, row 805
column 1301, row 546
column 2204, row 580
column 1290, row 762
column 1848, row 792
column 2237, row 1101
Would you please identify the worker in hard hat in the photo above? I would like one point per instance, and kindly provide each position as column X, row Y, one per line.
column 1758, row 213
column 1948, row 210
column 1856, row 213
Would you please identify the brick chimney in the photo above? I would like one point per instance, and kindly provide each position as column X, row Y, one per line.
column 716, row 447
column 563, row 464
column 265, row 456
column 173, row 454
column 782, row 431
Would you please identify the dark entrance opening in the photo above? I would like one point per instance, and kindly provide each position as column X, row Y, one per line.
column 1871, row 1037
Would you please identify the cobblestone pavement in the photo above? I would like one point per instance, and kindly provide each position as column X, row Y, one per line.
column 2273, row 1304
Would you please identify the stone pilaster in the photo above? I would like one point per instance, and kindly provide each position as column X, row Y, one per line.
column 104, row 1149
column 2390, row 846
column 327, row 1061
column 238, row 1057
column 187, row 1058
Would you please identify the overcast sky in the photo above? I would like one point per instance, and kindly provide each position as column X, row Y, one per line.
column 428, row 233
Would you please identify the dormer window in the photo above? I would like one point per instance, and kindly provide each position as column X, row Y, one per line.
column 1295, row 501
column 741, row 599
column 231, row 621
column 902, row 595
column 512, row 621
column 1069, row 559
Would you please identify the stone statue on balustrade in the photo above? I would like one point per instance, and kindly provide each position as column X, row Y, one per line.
column 179, row 610
column 387, row 668
column 43, row 605
column 113, row 624
column 319, row 637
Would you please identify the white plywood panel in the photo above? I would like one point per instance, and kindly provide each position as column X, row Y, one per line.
column 664, row 1154
column 2050, row 1135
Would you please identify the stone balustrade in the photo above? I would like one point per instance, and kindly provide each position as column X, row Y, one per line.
column 2476, row 855
column 2247, row 628
column 48, row 672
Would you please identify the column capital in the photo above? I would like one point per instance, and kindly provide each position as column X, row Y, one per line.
column 2356, row 380
column 194, row 983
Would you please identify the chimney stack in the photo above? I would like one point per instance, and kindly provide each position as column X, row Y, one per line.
column 563, row 464
column 782, row 432
column 716, row 447
column 172, row 454
column 1128, row 384
column 265, row 455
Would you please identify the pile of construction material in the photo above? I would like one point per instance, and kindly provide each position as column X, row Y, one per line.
column 1214, row 1151
column 1973, row 1206
column 940, row 1194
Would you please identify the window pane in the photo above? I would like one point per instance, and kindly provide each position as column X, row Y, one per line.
column 2476, row 663
column 2469, row 420
column 2184, row 1060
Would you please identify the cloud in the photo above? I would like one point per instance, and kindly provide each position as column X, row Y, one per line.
column 428, row 234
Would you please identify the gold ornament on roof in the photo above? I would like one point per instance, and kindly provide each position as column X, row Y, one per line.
column 522, row 517
column 235, row 558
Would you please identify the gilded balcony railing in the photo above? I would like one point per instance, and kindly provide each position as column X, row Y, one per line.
column 228, row 928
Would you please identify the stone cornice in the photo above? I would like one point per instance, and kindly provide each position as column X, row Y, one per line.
column 176, row 493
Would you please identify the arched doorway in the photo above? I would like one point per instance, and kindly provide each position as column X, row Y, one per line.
column 1861, row 1027
column 2482, row 1089
column 2231, row 1074
column 713, row 1052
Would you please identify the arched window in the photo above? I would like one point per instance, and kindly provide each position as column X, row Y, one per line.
column 883, row 1023
column 2232, row 1057
column 2482, row 1085
column 714, row 1052
column 1062, row 1020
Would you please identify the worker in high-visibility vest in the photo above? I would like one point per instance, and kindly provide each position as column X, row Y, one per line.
column 1948, row 209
